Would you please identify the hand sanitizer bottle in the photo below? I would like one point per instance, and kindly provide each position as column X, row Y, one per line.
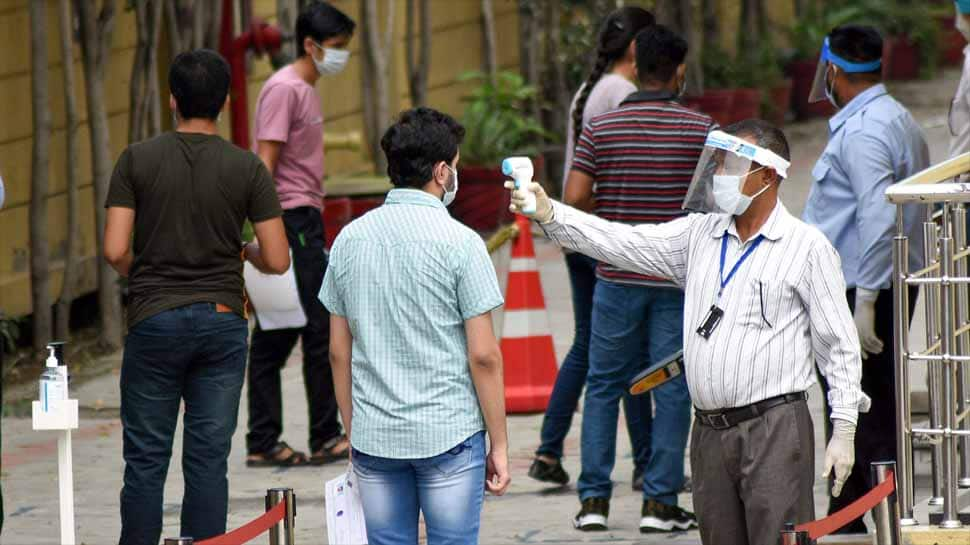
column 53, row 385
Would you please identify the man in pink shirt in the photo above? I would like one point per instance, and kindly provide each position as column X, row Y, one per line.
column 289, row 140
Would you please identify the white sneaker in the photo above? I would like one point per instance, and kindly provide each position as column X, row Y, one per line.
column 592, row 517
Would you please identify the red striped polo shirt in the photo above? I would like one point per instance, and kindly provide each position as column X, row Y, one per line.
column 641, row 157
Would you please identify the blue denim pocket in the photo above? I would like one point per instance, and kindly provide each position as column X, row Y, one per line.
column 461, row 456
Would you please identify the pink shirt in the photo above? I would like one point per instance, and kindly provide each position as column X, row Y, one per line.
column 288, row 111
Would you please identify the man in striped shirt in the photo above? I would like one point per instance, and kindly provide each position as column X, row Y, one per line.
column 764, row 302
column 640, row 158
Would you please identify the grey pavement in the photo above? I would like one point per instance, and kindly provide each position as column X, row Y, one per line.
column 529, row 513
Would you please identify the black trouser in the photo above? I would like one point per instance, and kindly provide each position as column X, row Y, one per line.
column 269, row 350
column 875, row 436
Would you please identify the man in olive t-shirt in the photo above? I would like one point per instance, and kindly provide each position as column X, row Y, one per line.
column 185, row 195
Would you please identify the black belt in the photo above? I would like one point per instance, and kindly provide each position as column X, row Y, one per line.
column 728, row 418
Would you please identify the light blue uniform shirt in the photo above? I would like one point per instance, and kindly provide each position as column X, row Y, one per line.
column 406, row 276
column 874, row 142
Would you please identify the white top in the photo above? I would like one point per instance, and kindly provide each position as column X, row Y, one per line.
column 784, row 309
column 959, row 118
column 606, row 96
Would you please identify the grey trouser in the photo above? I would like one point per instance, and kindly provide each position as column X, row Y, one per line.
column 750, row 479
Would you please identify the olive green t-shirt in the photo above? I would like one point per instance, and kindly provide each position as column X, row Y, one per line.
column 191, row 194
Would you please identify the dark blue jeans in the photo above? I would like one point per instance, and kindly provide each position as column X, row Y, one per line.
column 572, row 375
column 196, row 355
column 623, row 318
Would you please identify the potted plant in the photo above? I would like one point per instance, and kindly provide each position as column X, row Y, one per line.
column 747, row 82
column 776, row 88
column 717, row 100
column 910, row 37
column 496, row 126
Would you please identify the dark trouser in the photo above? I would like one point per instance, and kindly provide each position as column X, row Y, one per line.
column 875, row 437
column 196, row 355
column 750, row 479
column 270, row 349
column 572, row 375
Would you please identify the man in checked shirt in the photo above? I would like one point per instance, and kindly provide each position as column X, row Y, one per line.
column 764, row 301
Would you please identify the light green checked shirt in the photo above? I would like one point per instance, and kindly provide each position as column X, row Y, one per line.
column 406, row 276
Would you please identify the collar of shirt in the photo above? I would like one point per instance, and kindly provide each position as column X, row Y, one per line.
column 856, row 105
column 778, row 224
column 648, row 96
column 413, row 196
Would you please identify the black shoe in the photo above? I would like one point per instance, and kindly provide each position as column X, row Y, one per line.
column 592, row 517
column 660, row 517
column 637, row 479
column 548, row 473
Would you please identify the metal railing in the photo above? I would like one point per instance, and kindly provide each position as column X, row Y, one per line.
column 944, row 280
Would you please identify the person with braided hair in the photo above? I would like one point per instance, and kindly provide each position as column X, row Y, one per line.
column 610, row 81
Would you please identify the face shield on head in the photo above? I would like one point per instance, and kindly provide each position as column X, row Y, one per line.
column 721, row 170
column 827, row 58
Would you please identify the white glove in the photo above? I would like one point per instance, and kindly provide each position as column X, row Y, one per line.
column 865, row 321
column 543, row 213
column 840, row 453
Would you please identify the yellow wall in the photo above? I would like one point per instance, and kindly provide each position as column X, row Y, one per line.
column 456, row 48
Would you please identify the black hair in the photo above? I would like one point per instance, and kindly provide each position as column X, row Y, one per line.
column 618, row 30
column 660, row 51
column 765, row 135
column 857, row 43
column 199, row 81
column 421, row 138
column 321, row 21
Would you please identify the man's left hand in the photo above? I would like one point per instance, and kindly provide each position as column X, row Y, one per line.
column 840, row 453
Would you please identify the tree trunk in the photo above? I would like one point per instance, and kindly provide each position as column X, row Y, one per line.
column 144, row 117
column 529, row 50
column 72, row 258
column 40, row 171
column 489, row 55
column 95, row 31
column 375, row 76
column 419, row 67
column 286, row 12
column 680, row 17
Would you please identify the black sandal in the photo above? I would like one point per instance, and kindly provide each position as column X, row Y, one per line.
column 271, row 457
column 546, row 472
column 326, row 455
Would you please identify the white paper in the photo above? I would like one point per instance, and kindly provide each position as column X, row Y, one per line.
column 345, row 512
column 275, row 298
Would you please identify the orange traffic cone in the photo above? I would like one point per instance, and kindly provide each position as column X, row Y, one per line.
column 530, row 358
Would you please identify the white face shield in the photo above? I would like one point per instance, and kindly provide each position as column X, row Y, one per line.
column 827, row 58
column 724, row 165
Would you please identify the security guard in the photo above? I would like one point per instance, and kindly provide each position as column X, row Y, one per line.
column 874, row 142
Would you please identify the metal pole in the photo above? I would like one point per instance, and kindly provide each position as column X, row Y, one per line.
column 65, row 481
column 933, row 371
column 788, row 535
column 283, row 532
column 963, row 342
column 178, row 541
column 904, row 442
column 886, row 513
column 947, row 342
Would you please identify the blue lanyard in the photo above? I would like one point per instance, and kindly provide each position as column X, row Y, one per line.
column 734, row 269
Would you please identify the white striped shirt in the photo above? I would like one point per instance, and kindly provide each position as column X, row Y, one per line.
column 784, row 309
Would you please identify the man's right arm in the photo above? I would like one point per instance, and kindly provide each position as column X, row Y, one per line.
column 269, row 153
column 485, row 365
column 651, row 249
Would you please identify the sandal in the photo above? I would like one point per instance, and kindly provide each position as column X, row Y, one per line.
column 328, row 454
column 272, row 458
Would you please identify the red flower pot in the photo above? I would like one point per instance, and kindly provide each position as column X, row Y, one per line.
column 802, row 75
column 779, row 99
column 716, row 103
column 337, row 212
column 951, row 41
column 482, row 202
column 902, row 58
column 747, row 104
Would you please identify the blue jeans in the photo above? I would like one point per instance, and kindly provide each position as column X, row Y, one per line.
column 572, row 375
column 448, row 489
column 623, row 317
column 196, row 355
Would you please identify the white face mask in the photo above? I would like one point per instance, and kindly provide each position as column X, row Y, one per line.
column 963, row 26
column 728, row 196
column 450, row 194
column 333, row 62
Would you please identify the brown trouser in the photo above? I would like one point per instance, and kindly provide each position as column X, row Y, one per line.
column 750, row 479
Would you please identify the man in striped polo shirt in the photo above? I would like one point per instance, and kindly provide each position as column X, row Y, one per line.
column 640, row 158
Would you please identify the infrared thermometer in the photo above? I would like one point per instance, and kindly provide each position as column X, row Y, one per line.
column 520, row 170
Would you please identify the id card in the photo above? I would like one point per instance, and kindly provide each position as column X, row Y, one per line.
column 710, row 322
